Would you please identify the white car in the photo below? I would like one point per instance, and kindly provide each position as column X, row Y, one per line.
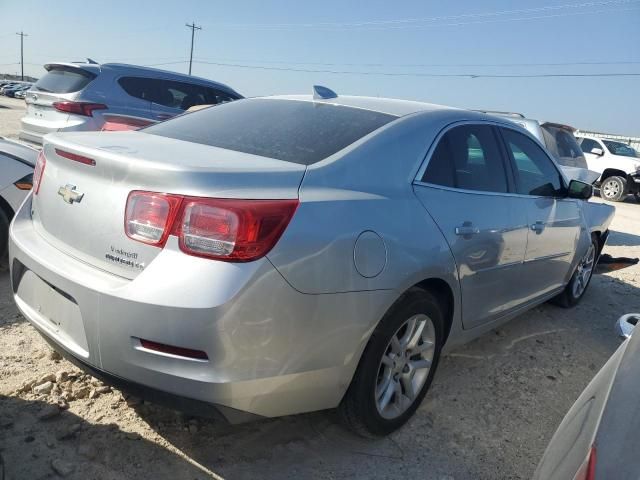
column 16, row 174
column 618, row 165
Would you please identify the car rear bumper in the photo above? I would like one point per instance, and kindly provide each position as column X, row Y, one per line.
column 271, row 350
column 33, row 129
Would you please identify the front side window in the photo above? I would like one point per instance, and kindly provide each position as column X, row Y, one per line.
column 587, row 145
column 468, row 157
column 534, row 171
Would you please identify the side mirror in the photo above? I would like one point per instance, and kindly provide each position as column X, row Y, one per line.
column 580, row 190
column 597, row 151
column 626, row 323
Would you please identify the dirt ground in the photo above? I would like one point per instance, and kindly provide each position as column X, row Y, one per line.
column 492, row 408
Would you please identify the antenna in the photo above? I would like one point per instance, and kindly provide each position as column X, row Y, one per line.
column 323, row 93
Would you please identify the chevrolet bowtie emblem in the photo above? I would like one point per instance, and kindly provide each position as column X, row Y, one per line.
column 69, row 194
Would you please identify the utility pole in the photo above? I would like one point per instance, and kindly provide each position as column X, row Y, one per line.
column 193, row 31
column 22, row 35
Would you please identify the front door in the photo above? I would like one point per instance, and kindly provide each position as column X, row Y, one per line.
column 555, row 222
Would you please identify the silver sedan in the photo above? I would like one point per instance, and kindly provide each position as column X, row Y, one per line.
column 280, row 255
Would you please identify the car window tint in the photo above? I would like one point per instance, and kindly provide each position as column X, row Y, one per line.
column 587, row 145
column 535, row 172
column 172, row 94
column 468, row 157
column 64, row 80
column 440, row 168
column 561, row 142
column 295, row 131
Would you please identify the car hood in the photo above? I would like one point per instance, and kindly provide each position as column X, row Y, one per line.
column 580, row 174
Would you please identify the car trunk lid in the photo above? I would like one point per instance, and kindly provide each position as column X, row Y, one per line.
column 80, row 206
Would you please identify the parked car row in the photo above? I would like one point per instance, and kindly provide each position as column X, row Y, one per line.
column 265, row 257
column 14, row 89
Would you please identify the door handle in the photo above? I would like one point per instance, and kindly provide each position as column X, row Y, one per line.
column 538, row 227
column 467, row 230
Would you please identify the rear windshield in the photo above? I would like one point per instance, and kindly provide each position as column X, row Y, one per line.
column 563, row 146
column 64, row 80
column 295, row 131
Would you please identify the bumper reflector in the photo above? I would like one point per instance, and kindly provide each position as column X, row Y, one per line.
column 173, row 350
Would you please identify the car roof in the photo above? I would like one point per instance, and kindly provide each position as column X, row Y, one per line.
column 97, row 68
column 391, row 106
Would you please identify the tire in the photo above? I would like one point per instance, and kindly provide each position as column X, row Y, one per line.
column 363, row 407
column 4, row 240
column 573, row 293
column 613, row 189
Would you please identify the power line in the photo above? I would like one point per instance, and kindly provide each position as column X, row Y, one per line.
column 394, row 65
column 193, row 31
column 409, row 21
column 22, row 35
column 420, row 74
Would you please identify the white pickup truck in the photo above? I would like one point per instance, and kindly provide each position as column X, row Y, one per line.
column 618, row 165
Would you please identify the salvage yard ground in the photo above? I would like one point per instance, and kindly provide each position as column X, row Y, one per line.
column 492, row 409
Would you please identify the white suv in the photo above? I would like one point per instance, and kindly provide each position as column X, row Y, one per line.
column 618, row 165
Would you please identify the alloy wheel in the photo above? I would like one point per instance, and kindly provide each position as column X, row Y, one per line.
column 405, row 366
column 611, row 189
column 584, row 272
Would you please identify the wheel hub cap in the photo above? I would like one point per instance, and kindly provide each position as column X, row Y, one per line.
column 584, row 272
column 405, row 366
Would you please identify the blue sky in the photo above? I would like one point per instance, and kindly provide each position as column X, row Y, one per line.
column 441, row 37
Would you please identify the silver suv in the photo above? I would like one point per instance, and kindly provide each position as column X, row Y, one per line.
column 559, row 139
column 90, row 96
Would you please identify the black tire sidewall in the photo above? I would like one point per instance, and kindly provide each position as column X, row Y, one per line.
column 413, row 303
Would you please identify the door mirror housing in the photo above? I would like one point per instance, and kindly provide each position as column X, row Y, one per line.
column 579, row 190
column 597, row 151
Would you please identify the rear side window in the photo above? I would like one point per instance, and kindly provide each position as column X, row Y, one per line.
column 468, row 157
column 563, row 146
column 295, row 131
column 64, row 80
column 173, row 94
column 535, row 172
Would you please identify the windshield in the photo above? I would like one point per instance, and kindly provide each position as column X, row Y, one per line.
column 619, row 148
column 61, row 79
column 563, row 146
column 295, row 131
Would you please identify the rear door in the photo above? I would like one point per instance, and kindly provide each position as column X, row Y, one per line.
column 554, row 220
column 466, row 189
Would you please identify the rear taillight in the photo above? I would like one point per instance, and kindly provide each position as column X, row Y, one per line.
column 587, row 470
column 222, row 229
column 38, row 172
column 120, row 124
column 149, row 216
column 79, row 108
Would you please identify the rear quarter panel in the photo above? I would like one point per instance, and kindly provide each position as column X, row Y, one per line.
column 366, row 188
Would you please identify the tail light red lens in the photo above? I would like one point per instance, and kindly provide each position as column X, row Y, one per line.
column 587, row 470
column 38, row 172
column 222, row 229
column 76, row 158
column 149, row 216
column 79, row 108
